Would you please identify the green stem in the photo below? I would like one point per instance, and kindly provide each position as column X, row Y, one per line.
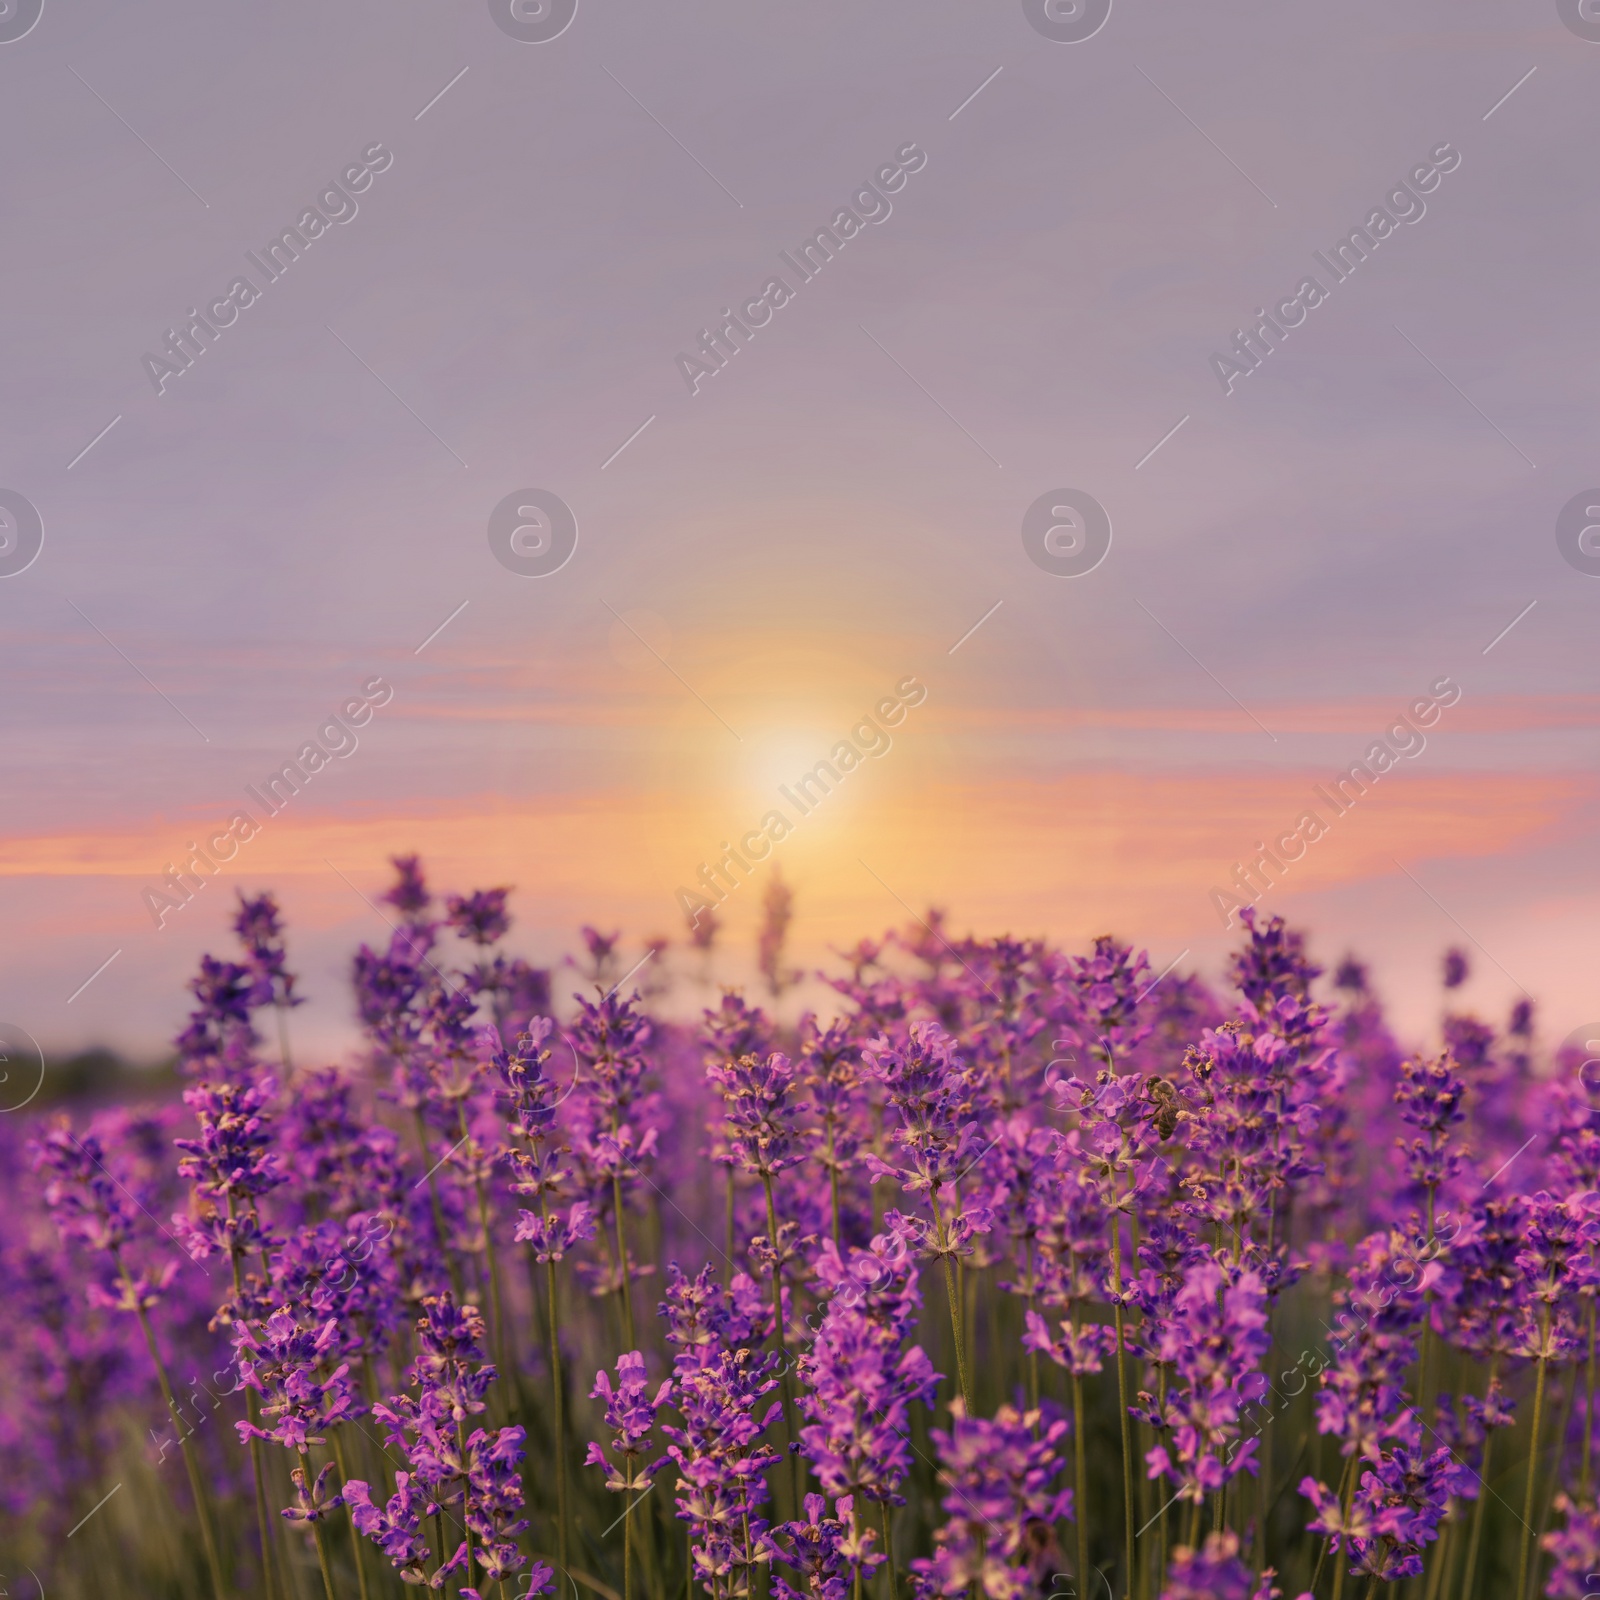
column 1268, row 1432
column 322, row 1560
column 627, row 1548
column 190, row 1460
column 438, row 1211
column 625, row 1286
column 1033, row 1355
column 283, row 1039
column 1476, row 1534
column 833, row 1187
column 1588, row 1414
column 1440, row 1561
column 355, row 1537
column 559, row 1403
column 1563, row 1422
column 1161, row 1542
column 264, row 1525
column 1425, row 1377
column 1346, row 1489
column 1122, row 1402
column 781, row 1340
column 954, row 1296
column 1080, row 1476
column 1533, row 1461
column 888, row 1549
column 466, row 1490
column 496, row 1318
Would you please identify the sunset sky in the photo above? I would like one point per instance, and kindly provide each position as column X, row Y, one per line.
column 306, row 506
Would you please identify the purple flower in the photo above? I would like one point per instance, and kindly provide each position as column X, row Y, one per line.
column 721, row 1458
column 938, row 1135
column 535, row 1151
column 1244, row 1146
column 450, row 1356
column 472, row 1479
column 333, row 1272
column 823, row 1551
column 1352, row 976
column 1274, row 965
column 861, row 1378
column 480, row 916
column 1216, row 1573
column 389, row 987
column 1102, row 996
column 830, row 1067
column 338, row 1163
column 219, row 1037
column 1395, row 1512
column 612, row 1119
column 96, row 1201
column 631, row 1416
column 602, row 949
column 1576, row 1549
column 999, row 1541
column 610, row 1039
column 1210, row 1167
column 703, row 1316
column 555, row 1235
column 396, row 1528
column 313, row 1503
column 1072, row 1241
column 1556, row 1264
column 493, row 1506
column 409, row 896
column 758, row 1112
column 1362, row 1395
column 231, row 1159
column 1429, row 1098
column 1082, row 1350
column 291, row 1368
column 1214, row 1341
column 260, row 929
column 86, row 1201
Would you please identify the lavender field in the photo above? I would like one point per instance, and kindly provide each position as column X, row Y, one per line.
column 1029, row 1274
column 800, row 801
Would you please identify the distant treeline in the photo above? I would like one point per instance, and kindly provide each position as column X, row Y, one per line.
column 102, row 1074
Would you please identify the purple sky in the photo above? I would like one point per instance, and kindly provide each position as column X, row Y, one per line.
column 306, row 505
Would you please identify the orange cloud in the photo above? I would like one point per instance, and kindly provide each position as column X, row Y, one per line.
column 1069, row 855
column 1367, row 715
